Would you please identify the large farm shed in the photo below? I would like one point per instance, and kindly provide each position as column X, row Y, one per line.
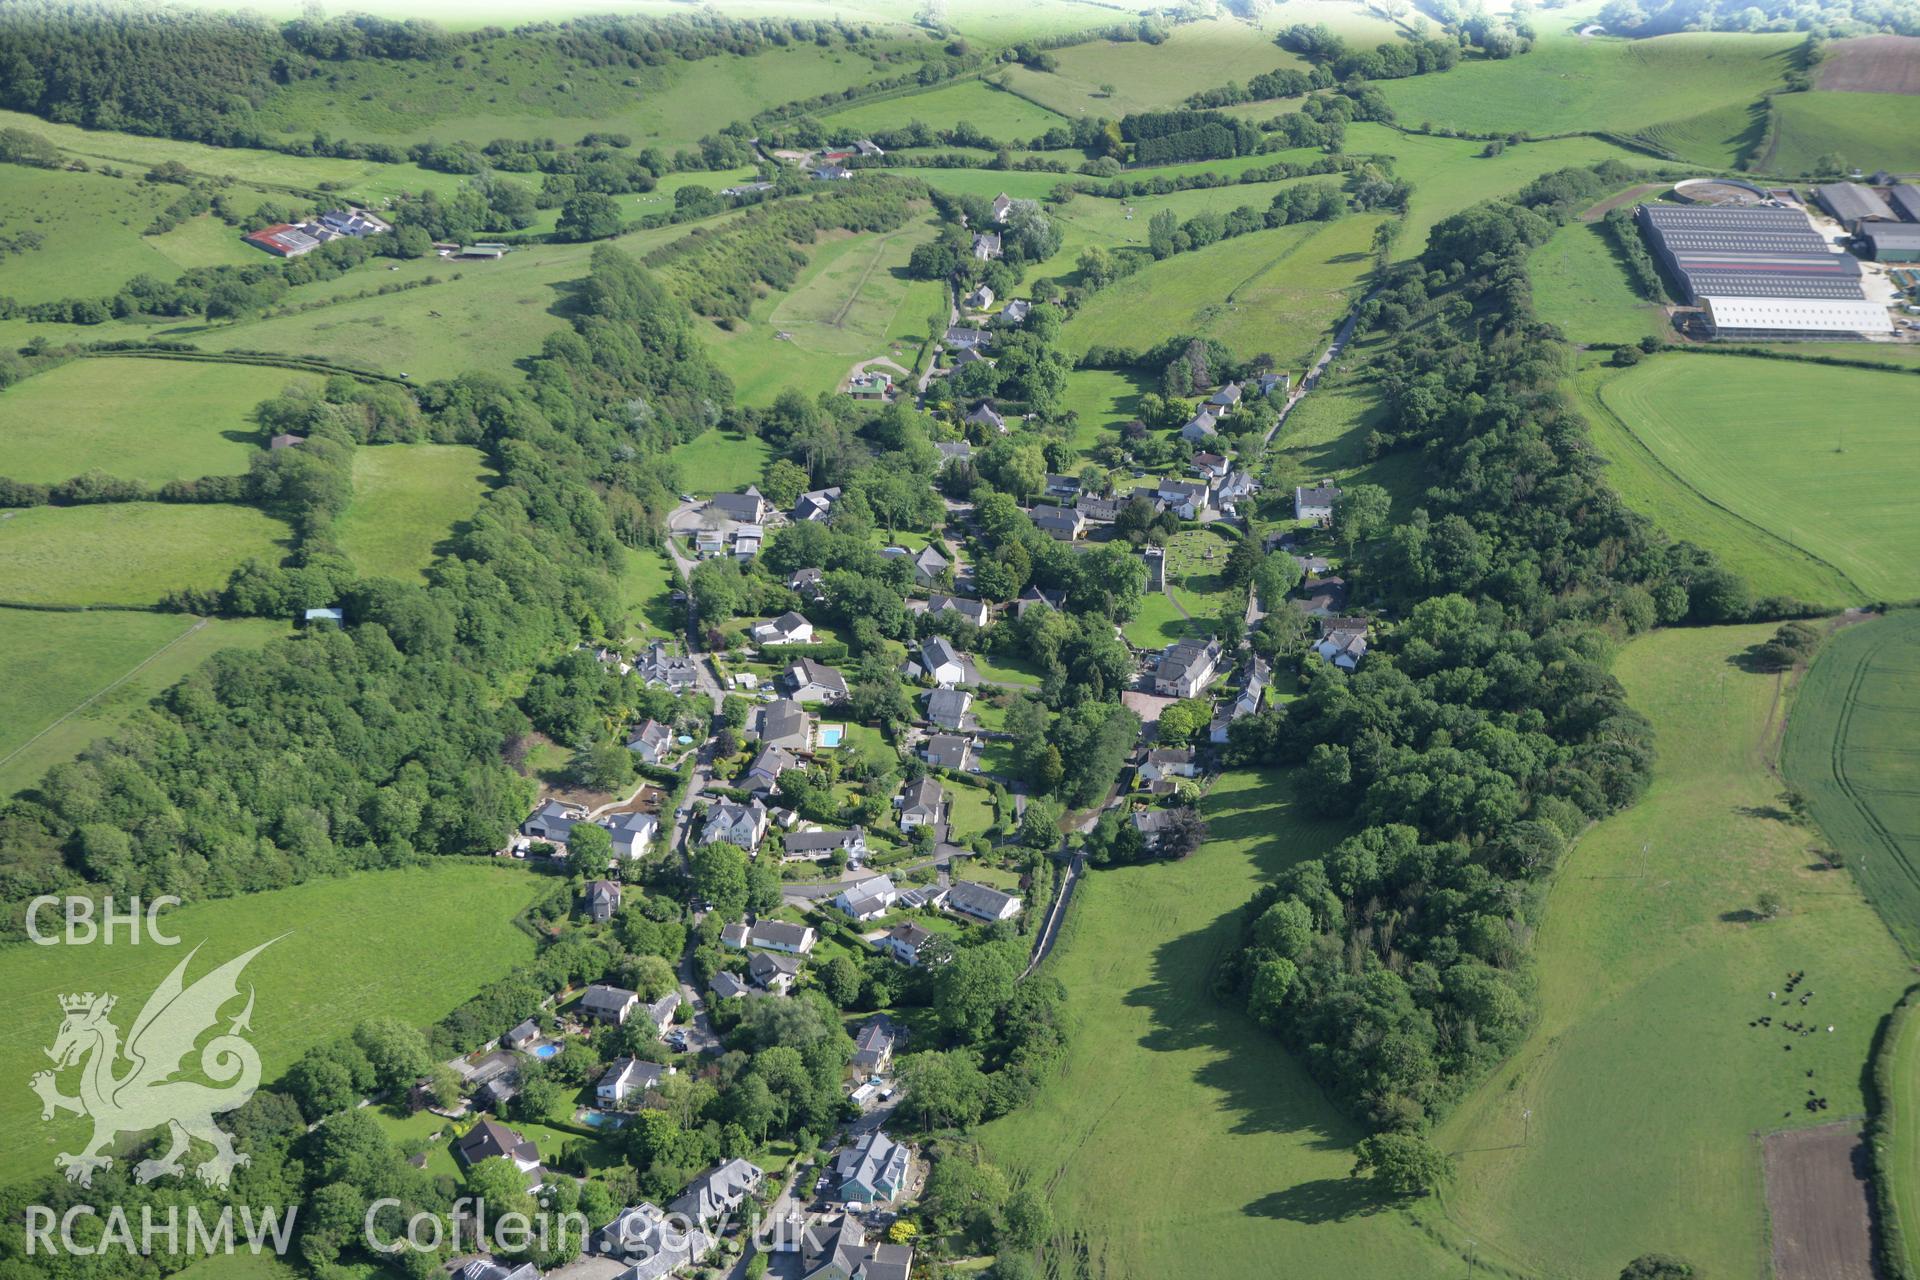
column 1893, row 241
column 1795, row 317
column 1740, row 252
column 1852, row 204
column 1905, row 199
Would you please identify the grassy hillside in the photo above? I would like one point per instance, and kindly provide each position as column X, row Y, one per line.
column 146, row 420
column 1760, row 440
column 440, row 932
column 1853, row 748
column 407, row 498
column 128, row 552
column 1208, row 54
column 1872, row 130
column 88, row 226
column 1645, row 1081
column 1179, row 1130
column 75, row 677
column 1002, row 116
column 1579, row 285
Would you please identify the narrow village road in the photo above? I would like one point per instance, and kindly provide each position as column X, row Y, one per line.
column 1311, row 378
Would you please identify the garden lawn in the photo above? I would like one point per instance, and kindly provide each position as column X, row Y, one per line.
column 647, row 584
column 1648, row 1086
column 74, row 677
column 1877, row 130
column 1624, row 86
column 1760, row 440
column 407, row 501
column 1006, row 668
column 128, row 552
column 719, row 462
column 1579, row 285
column 970, row 813
column 1000, row 115
column 145, row 420
column 1853, row 749
column 1157, row 624
column 439, row 933
column 1179, row 1138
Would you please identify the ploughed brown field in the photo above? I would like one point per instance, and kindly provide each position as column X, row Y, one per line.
column 1817, row 1199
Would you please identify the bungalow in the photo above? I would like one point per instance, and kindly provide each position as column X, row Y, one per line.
column 870, row 384
column 1203, row 426
column 809, row 584
column 783, row 723
column 603, row 899
column 650, row 741
column 817, row 846
column 1245, row 705
column 657, row 1244
column 816, row 504
column 604, row 1003
column 657, row 666
column 986, row 246
column 764, row 774
column 873, row 1170
column 553, row 822
column 775, row 974
column 1343, row 641
column 832, row 173
column 1064, row 524
column 1169, row 762
column 984, row 414
column 727, row 986
column 816, row 682
column 961, row 338
column 750, row 507
column 1059, row 486
column 1210, row 465
column 626, row 1077
column 1036, row 597
column 982, row 901
column 904, row 942
column 718, row 1192
column 874, row 1043
column 929, row 565
column 1186, row 667
column 968, row 355
column 974, row 611
column 631, row 832
column 979, row 300
column 522, row 1036
column 949, row 751
column 1002, row 206
column 922, row 804
column 948, row 708
column 489, row 1140
column 735, row 936
column 943, row 664
column 739, row 824
column 868, row 898
column 780, row 935
column 955, row 450
column 788, row 628
column 1315, row 502
column 1014, row 313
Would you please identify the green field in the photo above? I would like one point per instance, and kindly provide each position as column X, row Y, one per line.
column 1623, row 86
column 719, row 462
column 1853, row 748
column 1646, row 1084
column 1207, row 53
column 128, row 552
column 1103, row 400
column 1579, row 285
column 90, row 228
column 647, row 584
column 1873, row 130
column 853, row 301
column 441, row 932
column 1278, row 291
column 146, row 420
column 407, row 498
column 75, row 677
column 1000, row 115
column 971, row 812
column 1758, row 442
column 1178, row 1129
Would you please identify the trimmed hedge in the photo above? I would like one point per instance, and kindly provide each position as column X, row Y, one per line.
column 1889, row 1235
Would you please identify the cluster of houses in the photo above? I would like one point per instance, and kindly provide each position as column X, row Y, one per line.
column 290, row 240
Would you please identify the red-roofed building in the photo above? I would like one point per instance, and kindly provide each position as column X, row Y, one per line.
column 284, row 239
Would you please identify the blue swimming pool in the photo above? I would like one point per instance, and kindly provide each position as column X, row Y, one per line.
column 546, row 1050
column 830, row 734
column 601, row 1120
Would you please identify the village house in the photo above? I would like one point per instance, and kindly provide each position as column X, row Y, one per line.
column 788, row 628
column 941, row 663
column 1248, row 702
column 1343, row 641
column 1187, row 498
column 521, row 1036
column 949, row 751
column 610, row 1004
column 651, row 741
column 904, row 942
column 1186, row 667
column 783, row 936
column 632, row 833
column 956, row 450
column 1168, row 762
column 1268, row 383
column 818, row 846
column 552, row 822
column 1225, row 400
column 1152, row 825
column 774, row 974
column 1322, row 597
column 922, row 804
column 868, row 898
column 816, row 504
column 985, row 414
column 962, row 338
column 660, row 1012
column 872, row 1170
column 928, row 565
column 782, row 723
column 1210, row 465
column 658, row 1244
column 750, row 507
column 728, row 986
column 948, row 708
column 718, row 1192
column 831, row 173
column 816, row 682
column 763, row 775
column 746, row 542
column 285, row 440
column 1060, row 486
column 986, row 246
column 1099, row 510
column 627, row 1077
column 870, row 384
column 974, row 611
column 1063, row 524
column 809, row 584
column 1002, row 206
column 1039, row 597
column 658, row 667
column 983, row 902
column 490, row 1269
column 1200, row 428
column 979, row 300
column 1014, row 313
column 1315, row 502
column 709, row 543
column 739, row 824
column 602, row 899
column 489, row 1139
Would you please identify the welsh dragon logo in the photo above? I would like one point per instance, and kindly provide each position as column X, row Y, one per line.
column 146, row 1095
